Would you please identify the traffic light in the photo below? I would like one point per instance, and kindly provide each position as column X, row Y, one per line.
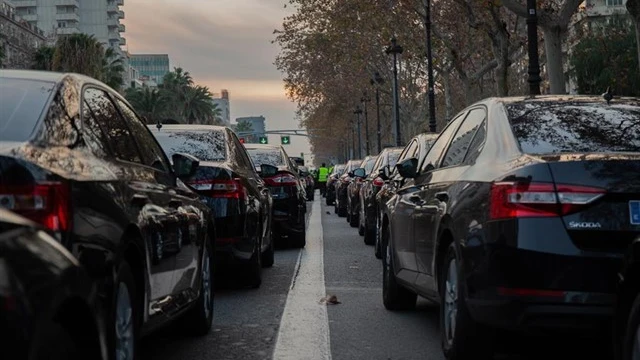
column 263, row 140
column 241, row 140
column 284, row 139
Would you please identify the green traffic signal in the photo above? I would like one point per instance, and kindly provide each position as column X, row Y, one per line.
column 264, row 140
column 285, row 140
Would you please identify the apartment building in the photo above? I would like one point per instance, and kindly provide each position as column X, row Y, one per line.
column 152, row 67
column 19, row 39
column 222, row 102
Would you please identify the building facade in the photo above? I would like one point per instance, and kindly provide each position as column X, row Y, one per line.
column 152, row 67
column 222, row 102
column 100, row 18
column 258, row 127
column 19, row 39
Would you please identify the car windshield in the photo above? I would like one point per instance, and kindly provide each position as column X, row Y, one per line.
column 266, row 156
column 575, row 127
column 22, row 103
column 338, row 169
column 205, row 145
column 368, row 165
column 393, row 157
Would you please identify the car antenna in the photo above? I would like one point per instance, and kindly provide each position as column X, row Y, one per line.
column 608, row 96
column 159, row 125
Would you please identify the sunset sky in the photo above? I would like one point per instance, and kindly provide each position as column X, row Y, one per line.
column 224, row 44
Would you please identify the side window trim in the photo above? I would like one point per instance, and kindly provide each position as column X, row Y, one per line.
column 462, row 114
column 83, row 103
column 444, row 153
column 485, row 124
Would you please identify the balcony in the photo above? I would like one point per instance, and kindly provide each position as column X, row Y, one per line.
column 112, row 8
column 120, row 2
column 123, row 41
column 112, row 35
column 24, row 3
column 112, row 23
column 74, row 3
column 121, row 28
column 29, row 17
column 121, row 14
column 68, row 17
column 67, row 31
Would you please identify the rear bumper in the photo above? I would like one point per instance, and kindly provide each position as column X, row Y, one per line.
column 287, row 216
column 232, row 241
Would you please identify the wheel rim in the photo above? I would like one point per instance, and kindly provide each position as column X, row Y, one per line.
column 636, row 345
column 206, row 283
column 451, row 301
column 124, row 324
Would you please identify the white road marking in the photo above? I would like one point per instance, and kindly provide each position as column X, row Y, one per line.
column 304, row 327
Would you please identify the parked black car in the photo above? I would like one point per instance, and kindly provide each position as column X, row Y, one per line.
column 341, row 204
column 627, row 321
column 289, row 203
column 75, row 158
column 228, row 183
column 47, row 299
column 372, row 183
column 353, row 190
column 307, row 181
column 332, row 180
column 517, row 219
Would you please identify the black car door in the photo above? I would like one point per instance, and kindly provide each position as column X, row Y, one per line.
column 181, row 205
column 142, row 197
column 442, row 169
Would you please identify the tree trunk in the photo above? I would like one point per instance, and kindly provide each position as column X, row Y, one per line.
column 448, row 101
column 553, row 47
column 638, row 41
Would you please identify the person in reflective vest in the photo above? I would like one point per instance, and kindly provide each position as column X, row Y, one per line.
column 323, row 173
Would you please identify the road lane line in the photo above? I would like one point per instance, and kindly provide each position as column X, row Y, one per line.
column 304, row 327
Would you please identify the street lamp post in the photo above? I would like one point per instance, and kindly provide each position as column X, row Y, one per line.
column 432, row 96
column 532, row 35
column 365, row 99
column 358, row 111
column 378, row 80
column 396, row 49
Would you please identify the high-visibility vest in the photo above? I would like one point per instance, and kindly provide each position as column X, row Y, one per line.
column 323, row 172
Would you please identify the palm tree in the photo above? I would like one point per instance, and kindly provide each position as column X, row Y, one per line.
column 147, row 102
column 244, row 126
column 112, row 69
column 216, row 112
column 79, row 53
column 196, row 104
column 43, row 58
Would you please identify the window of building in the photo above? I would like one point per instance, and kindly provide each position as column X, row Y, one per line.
column 615, row 2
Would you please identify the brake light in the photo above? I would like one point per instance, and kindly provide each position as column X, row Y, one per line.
column 517, row 200
column 282, row 179
column 230, row 188
column 46, row 203
column 378, row 181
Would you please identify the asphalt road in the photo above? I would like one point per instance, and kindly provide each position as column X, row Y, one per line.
column 248, row 322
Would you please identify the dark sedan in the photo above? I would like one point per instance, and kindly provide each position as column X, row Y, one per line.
column 627, row 321
column 75, row 158
column 341, row 186
column 289, row 202
column 367, row 197
column 47, row 299
column 228, row 183
column 332, row 180
column 517, row 219
column 353, row 191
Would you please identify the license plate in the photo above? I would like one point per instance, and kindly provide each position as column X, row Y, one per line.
column 634, row 212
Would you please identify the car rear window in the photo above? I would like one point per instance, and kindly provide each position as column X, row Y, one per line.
column 393, row 158
column 368, row 165
column 266, row 156
column 22, row 103
column 207, row 145
column 575, row 127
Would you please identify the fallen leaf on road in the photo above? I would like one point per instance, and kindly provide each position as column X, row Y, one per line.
column 330, row 300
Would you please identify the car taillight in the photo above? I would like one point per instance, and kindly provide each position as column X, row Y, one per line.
column 378, row 181
column 282, row 179
column 231, row 188
column 46, row 203
column 516, row 200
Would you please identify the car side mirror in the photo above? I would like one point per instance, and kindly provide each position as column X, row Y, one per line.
column 350, row 174
column 360, row 173
column 429, row 167
column 185, row 165
column 384, row 172
column 267, row 170
column 408, row 168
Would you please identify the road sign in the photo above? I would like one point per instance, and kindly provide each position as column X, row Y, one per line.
column 285, row 140
column 264, row 140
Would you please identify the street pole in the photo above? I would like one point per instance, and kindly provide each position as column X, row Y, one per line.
column 358, row 112
column 534, row 62
column 396, row 49
column 353, row 142
column 365, row 99
column 378, row 80
column 432, row 96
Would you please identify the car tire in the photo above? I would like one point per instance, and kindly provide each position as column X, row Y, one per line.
column 394, row 295
column 269, row 254
column 124, row 319
column 199, row 318
column 298, row 239
column 632, row 328
column 254, row 270
column 342, row 211
column 462, row 337
column 369, row 234
column 354, row 219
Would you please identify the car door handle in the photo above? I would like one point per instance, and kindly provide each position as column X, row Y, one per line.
column 175, row 203
column 139, row 200
column 442, row 196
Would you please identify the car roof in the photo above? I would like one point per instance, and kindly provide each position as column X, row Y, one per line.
column 545, row 99
column 187, row 127
column 262, row 146
column 48, row 76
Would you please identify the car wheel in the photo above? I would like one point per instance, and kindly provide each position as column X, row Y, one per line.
column 269, row 254
column 199, row 318
column 254, row 271
column 394, row 295
column 378, row 242
column 353, row 219
column 462, row 337
column 369, row 234
column 631, row 342
column 124, row 324
column 342, row 211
